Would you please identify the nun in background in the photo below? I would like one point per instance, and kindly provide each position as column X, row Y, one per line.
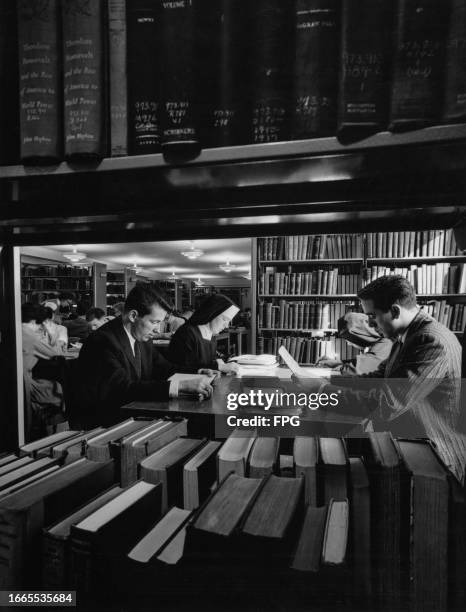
column 357, row 330
column 194, row 345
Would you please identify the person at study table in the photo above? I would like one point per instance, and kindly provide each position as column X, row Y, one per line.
column 194, row 344
column 118, row 362
column 357, row 330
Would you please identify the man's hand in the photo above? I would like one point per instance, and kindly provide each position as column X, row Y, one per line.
column 227, row 368
column 209, row 372
column 326, row 362
column 200, row 387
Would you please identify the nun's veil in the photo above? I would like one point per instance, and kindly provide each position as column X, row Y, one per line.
column 212, row 307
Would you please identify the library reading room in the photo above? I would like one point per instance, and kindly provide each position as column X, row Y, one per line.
column 233, row 305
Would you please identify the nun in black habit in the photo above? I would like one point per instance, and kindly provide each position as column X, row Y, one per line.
column 194, row 344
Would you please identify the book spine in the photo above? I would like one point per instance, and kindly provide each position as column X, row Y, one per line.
column 417, row 86
column 178, row 77
column 365, row 63
column 9, row 120
column 221, row 94
column 143, row 52
column 455, row 88
column 271, row 61
column 53, row 562
column 39, row 84
column 84, row 78
column 317, row 37
column 80, row 563
column 118, row 87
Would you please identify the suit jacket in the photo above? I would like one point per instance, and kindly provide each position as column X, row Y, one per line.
column 108, row 376
column 420, row 391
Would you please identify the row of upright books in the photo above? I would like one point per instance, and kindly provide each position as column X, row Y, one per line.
column 55, row 284
column 127, row 77
column 334, row 522
column 55, row 271
column 438, row 278
column 306, row 350
column 325, row 281
column 300, row 315
column 432, row 243
column 452, row 316
column 302, row 248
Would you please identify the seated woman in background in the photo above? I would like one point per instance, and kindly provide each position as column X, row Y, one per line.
column 53, row 334
column 356, row 329
column 194, row 344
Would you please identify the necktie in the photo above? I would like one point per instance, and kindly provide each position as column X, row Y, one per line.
column 137, row 359
column 393, row 357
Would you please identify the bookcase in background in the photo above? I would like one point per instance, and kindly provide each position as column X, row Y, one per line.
column 42, row 280
column 305, row 284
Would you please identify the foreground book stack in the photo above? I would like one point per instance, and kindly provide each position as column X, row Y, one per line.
column 366, row 523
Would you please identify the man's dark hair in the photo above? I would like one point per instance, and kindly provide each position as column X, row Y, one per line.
column 94, row 313
column 82, row 308
column 66, row 296
column 388, row 290
column 29, row 312
column 143, row 297
column 44, row 313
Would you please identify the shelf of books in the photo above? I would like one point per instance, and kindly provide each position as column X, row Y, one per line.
column 306, row 283
column 235, row 86
column 41, row 282
column 328, row 523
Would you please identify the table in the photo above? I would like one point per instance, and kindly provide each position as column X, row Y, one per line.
column 202, row 415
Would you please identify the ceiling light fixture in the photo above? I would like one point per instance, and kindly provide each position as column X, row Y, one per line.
column 135, row 268
column 193, row 253
column 199, row 282
column 227, row 267
column 173, row 277
column 247, row 276
column 75, row 256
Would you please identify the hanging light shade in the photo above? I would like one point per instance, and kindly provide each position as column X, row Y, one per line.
column 227, row 267
column 135, row 268
column 74, row 256
column 173, row 277
column 247, row 276
column 193, row 252
column 199, row 282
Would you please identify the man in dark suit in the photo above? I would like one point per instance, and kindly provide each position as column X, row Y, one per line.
column 119, row 364
column 420, row 391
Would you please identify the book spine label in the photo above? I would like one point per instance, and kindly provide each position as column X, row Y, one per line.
column 221, row 94
column 118, row 97
column 417, row 86
column 143, row 52
column 178, row 51
column 40, row 136
column 84, row 78
column 455, row 91
column 271, row 57
column 316, row 67
column 365, row 63
column 9, row 136
column 53, row 562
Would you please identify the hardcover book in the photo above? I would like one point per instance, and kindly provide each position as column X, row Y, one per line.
column 39, row 58
column 85, row 77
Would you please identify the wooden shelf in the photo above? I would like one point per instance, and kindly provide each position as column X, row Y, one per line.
column 317, row 296
column 56, row 290
column 279, row 150
column 57, row 276
column 441, row 296
column 414, row 260
column 354, row 260
column 287, row 329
